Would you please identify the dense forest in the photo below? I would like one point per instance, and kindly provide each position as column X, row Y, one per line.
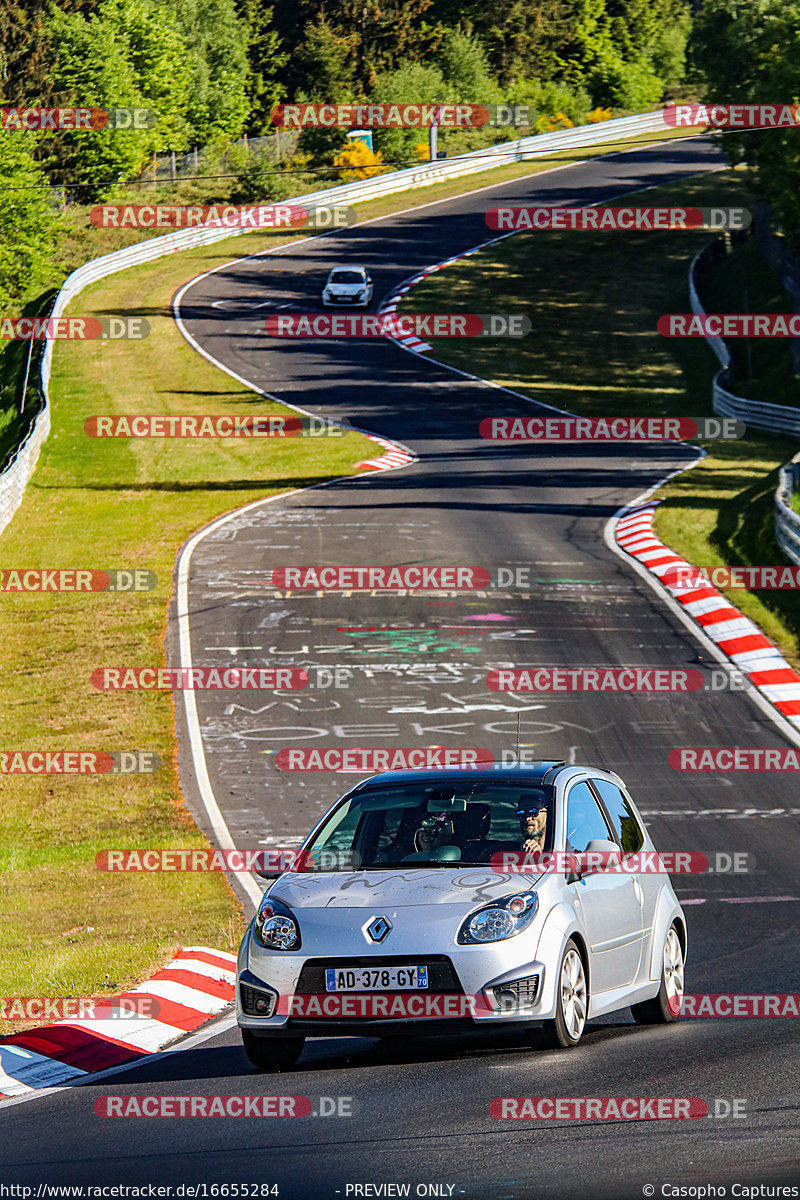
column 211, row 72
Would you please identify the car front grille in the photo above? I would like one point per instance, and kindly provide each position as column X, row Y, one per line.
column 441, row 974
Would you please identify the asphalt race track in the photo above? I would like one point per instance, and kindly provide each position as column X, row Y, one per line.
column 416, row 667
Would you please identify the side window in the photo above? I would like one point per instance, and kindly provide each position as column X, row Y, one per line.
column 340, row 831
column 585, row 821
column 627, row 828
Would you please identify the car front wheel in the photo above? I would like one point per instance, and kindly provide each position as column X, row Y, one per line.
column 666, row 1006
column 272, row 1053
column 572, row 1004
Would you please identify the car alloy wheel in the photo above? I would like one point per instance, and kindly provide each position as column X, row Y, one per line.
column 666, row 1006
column 572, row 1004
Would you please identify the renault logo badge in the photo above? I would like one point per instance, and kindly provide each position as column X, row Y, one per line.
column 378, row 928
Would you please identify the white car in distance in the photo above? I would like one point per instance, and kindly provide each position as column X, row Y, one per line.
column 348, row 286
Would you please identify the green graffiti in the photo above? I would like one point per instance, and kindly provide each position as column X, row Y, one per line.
column 410, row 641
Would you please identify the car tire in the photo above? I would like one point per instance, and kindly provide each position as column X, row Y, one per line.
column 272, row 1053
column 665, row 1007
column 572, row 1004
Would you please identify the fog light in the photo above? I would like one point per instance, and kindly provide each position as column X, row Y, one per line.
column 256, row 1003
column 519, row 993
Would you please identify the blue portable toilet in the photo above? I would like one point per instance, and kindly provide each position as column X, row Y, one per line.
column 361, row 135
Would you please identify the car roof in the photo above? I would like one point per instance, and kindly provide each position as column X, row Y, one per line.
column 527, row 774
column 349, row 267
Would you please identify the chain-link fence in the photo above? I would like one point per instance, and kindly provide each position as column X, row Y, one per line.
column 172, row 166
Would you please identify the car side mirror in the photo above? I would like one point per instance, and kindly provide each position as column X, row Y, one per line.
column 601, row 854
column 572, row 867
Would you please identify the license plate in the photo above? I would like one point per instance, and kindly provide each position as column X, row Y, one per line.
column 375, row 979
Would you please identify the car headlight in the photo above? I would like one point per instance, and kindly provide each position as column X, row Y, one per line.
column 275, row 927
column 499, row 920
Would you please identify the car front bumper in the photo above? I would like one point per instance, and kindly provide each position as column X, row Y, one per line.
column 469, row 989
column 344, row 301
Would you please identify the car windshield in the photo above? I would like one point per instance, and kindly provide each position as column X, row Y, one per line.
column 346, row 277
column 440, row 825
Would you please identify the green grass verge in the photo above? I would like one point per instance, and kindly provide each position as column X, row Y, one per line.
column 69, row 929
column 594, row 300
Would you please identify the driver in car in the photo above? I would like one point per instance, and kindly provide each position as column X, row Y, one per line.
column 533, row 827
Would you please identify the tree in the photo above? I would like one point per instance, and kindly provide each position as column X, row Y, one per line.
column 129, row 54
column 411, row 83
column 389, row 32
column 266, row 58
column 28, row 221
column 522, row 38
column 25, row 48
column 651, row 36
column 749, row 51
column 375, row 35
column 216, row 38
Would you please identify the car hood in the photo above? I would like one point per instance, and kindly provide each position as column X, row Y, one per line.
column 397, row 889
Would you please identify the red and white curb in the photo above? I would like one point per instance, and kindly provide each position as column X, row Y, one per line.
column 395, row 456
column 197, row 985
column 737, row 637
column 390, row 306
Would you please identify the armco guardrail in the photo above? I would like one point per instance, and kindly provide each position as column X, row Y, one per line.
column 787, row 522
column 777, row 418
column 14, row 480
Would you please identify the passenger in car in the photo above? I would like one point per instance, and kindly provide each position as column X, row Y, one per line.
column 435, row 831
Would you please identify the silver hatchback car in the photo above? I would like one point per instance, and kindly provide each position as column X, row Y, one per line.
column 437, row 901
